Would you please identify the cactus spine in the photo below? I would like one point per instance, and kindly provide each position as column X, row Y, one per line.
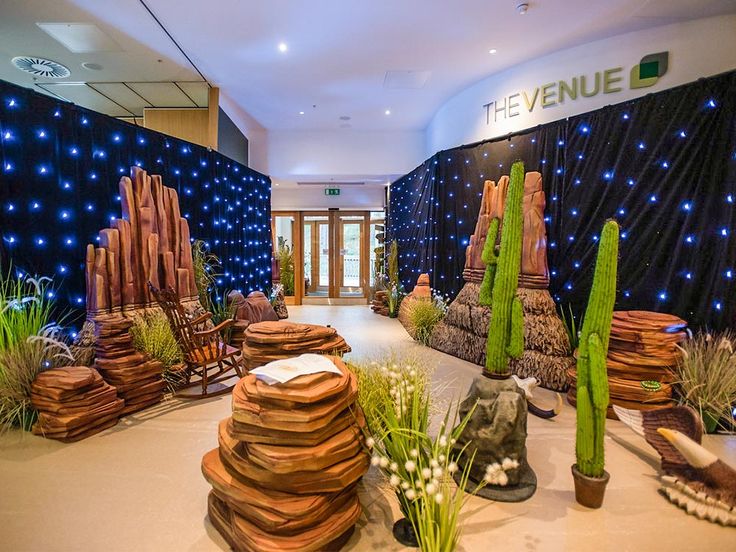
column 490, row 258
column 506, row 332
column 592, row 378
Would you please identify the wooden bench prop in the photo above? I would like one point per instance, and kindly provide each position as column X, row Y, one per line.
column 268, row 341
column 285, row 474
column 642, row 354
column 73, row 402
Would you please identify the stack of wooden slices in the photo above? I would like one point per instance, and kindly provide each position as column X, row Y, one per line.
column 642, row 355
column 136, row 377
column 289, row 460
column 73, row 402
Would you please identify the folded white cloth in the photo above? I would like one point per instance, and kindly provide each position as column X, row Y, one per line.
column 281, row 371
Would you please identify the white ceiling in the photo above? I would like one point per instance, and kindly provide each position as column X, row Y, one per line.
column 339, row 51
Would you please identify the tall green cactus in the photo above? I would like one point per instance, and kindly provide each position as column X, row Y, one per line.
column 506, row 332
column 490, row 258
column 592, row 378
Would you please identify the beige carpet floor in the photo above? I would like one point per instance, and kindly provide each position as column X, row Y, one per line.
column 138, row 487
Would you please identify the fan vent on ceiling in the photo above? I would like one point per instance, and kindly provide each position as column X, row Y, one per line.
column 41, row 67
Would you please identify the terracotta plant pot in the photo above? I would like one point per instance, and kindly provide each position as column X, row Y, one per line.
column 589, row 491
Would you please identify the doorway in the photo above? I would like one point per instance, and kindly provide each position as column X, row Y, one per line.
column 332, row 254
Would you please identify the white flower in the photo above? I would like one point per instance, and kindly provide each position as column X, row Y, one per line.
column 503, row 479
column 434, row 463
column 394, row 480
column 452, row 468
column 405, row 485
column 410, row 466
column 438, row 498
column 426, row 473
column 375, row 460
column 431, row 489
column 383, row 462
column 393, row 467
column 410, row 494
column 369, row 442
column 443, row 441
column 413, row 453
column 442, row 458
column 509, row 464
column 453, row 441
column 437, row 472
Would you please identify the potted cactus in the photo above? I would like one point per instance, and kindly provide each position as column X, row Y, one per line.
column 506, row 331
column 592, row 379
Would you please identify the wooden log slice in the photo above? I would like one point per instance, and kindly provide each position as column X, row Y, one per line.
column 630, row 390
column 157, row 385
column 331, row 479
column 641, row 360
column 102, row 395
column 67, row 378
column 271, row 511
column 302, row 390
column 647, row 321
column 133, row 359
column 287, row 459
column 279, row 331
column 63, row 395
column 257, row 434
column 138, row 406
column 610, row 414
column 84, row 432
column 40, row 428
column 67, row 422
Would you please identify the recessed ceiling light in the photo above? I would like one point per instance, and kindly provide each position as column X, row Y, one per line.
column 283, row 47
column 387, row 112
column 301, row 113
column 522, row 8
column 492, row 51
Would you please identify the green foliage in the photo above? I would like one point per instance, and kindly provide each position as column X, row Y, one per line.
column 393, row 265
column 285, row 255
column 572, row 327
column 592, row 378
column 490, row 258
column 507, row 321
column 29, row 343
column 424, row 315
column 222, row 310
column 394, row 297
column 206, row 265
column 152, row 335
column 706, row 374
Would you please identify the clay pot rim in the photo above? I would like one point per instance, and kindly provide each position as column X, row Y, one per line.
column 495, row 376
column 577, row 473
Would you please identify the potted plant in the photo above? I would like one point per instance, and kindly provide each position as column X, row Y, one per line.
column 706, row 374
column 592, row 379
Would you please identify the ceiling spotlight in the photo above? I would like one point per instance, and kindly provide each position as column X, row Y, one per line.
column 522, row 8
column 387, row 112
column 301, row 113
column 492, row 51
column 283, row 47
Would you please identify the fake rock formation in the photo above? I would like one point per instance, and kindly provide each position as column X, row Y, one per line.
column 463, row 332
column 421, row 292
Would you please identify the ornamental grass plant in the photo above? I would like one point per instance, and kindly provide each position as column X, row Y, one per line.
column 152, row 335
column 396, row 398
column 30, row 341
column 706, row 374
column 425, row 315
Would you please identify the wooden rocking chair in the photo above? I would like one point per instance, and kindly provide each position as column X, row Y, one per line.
column 206, row 355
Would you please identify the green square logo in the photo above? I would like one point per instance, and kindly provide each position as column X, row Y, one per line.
column 649, row 70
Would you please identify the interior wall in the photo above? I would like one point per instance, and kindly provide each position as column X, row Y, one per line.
column 230, row 140
column 313, row 198
column 699, row 48
column 295, row 154
column 187, row 124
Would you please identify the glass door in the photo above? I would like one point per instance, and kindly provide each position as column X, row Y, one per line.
column 317, row 258
column 351, row 272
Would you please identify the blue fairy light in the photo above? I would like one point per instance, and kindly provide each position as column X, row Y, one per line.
column 686, row 206
column 662, row 295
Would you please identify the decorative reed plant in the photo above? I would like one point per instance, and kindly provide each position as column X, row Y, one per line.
column 706, row 374
column 29, row 342
column 285, row 255
column 572, row 326
column 396, row 399
column 206, row 264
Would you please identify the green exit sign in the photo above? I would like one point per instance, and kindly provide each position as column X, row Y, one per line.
column 332, row 191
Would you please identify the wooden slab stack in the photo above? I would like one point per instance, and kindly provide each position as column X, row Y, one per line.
column 136, row 377
column 289, row 459
column 268, row 341
column 642, row 353
column 379, row 305
column 73, row 402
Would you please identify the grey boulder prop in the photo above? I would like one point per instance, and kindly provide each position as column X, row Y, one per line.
column 496, row 430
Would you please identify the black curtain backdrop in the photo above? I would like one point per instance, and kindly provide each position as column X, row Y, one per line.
column 59, row 176
column 664, row 166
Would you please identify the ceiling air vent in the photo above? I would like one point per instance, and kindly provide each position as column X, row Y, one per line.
column 41, row 67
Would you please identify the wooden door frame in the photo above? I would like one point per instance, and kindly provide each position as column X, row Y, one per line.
column 296, row 236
